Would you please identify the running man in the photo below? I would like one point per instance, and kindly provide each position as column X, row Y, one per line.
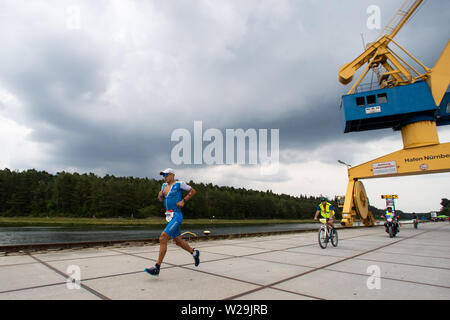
column 171, row 195
column 326, row 210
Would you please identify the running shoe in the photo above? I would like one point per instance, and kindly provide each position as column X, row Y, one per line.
column 196, row 256
column 153, row 271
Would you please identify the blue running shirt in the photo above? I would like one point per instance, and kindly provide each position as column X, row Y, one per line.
column 170, row 202
column 175, row 194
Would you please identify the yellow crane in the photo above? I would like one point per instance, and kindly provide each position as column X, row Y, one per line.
column 409, row 100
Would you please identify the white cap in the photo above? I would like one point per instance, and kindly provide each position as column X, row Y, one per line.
column 168, row 170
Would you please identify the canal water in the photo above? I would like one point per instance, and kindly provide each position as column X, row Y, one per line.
column 39, row 235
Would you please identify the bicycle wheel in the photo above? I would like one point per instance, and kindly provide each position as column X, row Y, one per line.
column 323, row 241
column 334, row 239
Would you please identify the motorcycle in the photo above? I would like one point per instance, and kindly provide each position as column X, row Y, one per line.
column 391, row 226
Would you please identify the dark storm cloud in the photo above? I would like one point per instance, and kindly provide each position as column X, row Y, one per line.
column 59, row 77
column 317, row 124
column 102, row 103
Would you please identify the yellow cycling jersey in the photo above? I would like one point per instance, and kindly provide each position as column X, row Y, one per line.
column 326, row 211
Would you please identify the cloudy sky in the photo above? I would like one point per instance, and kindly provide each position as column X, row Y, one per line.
column 100, row 86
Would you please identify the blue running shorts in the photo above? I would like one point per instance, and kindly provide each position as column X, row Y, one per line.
column 173, row 227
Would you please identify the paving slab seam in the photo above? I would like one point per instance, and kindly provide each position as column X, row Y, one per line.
column 315, row 231
column 156, row 252
column 318, row 254
column 17, row 264
column 424, row 245
column 83, row 258
column 34, row 287
column 171, row 265
column 113, row 275
column 269, row 251
column 299, row 294
column 294, row 247
column 183, row 266
column 402, row 263
column 285, row 249
column 150, row 251
column 186, row 266
column 254, row 247
column 293, row 292
column 96, row 293
column 414, row 255
column 230, row 256
column 388, row 278
column 280, row 262
column 319, row 268
column 272, row 250
column 221, row 276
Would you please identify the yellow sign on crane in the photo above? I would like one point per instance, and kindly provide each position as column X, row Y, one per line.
column 389, row 196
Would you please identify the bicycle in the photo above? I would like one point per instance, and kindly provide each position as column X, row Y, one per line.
column 326, row 233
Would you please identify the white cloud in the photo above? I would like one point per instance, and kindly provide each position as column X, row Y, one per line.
column 17, row 151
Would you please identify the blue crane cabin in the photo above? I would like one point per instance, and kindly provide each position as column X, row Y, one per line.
column 392, row 108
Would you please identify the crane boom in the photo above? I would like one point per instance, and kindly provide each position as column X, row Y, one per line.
column 405, row 13
column 378, row 53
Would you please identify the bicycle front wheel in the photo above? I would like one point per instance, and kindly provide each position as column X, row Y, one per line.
column 334, row 239
column 323, row 240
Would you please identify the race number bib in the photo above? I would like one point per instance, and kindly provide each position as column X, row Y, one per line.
column 169, row 215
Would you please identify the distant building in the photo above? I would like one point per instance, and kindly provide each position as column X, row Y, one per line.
column 433, row 215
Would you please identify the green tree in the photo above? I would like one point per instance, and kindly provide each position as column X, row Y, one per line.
column 445, row 209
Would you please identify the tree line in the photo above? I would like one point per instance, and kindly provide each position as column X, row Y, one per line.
column 38, row 193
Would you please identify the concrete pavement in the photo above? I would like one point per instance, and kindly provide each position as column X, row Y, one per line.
column 366, row 264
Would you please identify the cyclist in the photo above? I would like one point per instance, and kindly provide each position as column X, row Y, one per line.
column 326, row 210
column 390, row 214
